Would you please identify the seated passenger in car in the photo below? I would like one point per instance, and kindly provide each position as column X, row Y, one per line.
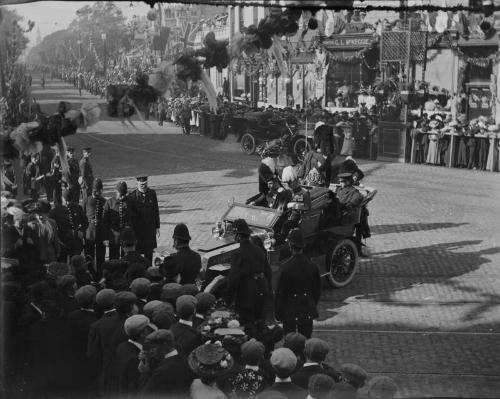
column 348, row 196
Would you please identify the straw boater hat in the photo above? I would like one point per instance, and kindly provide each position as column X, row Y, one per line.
column 210, row 360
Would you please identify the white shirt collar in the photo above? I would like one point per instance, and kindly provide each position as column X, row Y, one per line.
column 310, row 364
column 279, row 380
column 254, row 368
column 186, row 322
column 171, row 354
column 136, row 344
column 87, row 310
column 109, row 311
column 199, row 316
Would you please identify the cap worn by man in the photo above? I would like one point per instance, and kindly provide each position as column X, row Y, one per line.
column 125, row 298
column 106, row 297
column 150, row 307
column 185, row 305
column 134, row 325
column 296, row 342
column 321, row 386
column 160, row 337
column 163, row 317
column 345, row 175
column 85, row 296
column 121, row 187
column 205, row 301
column 354, row 374
column 142, row 178
column 140, row 287
column 97, row 184
column 283, row 361
column 382, row 387
column 66, row 281
column 190, row 289
column 252, row 352
column 171, row 291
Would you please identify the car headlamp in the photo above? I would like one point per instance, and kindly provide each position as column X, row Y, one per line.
column 269, row 242
column 218, row 230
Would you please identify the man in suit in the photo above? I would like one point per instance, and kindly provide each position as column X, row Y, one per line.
column 93, row 207
column 315, row 351
column 186, row 337
column 46, row 156
column 145, row 217
column 283, row 362
column 86, row 178
column 79, row 322
column 173, row 377
column 71, row 223
column 348, row 196
column 73, row 184
column 299, row 289
column 249, row 278
column 185, row 263
column 137, row 327
column 117, row 216
column 106, row 334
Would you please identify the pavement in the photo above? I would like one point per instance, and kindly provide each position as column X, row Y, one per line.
column 424, row 308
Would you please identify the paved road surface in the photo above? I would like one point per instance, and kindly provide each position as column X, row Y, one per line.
column 424, row 308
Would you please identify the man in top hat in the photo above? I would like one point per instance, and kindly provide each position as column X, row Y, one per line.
column 348, row 196
column 248, row 282
column 185, row 261
column 145, row 217
column 299, row 289
column 86, row 178
column 71, row 223
column 93, row 208
column 117, row 216
column 73, row 184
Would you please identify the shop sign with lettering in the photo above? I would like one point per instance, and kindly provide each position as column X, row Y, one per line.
column 303, row 58
column 344, row 42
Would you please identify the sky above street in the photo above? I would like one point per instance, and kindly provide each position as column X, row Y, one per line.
column 51, row 16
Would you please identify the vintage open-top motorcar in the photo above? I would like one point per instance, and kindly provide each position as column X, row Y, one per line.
column 331, row 245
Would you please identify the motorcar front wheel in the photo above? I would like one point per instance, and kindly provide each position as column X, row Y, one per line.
column 248, row 143
column 342, row 261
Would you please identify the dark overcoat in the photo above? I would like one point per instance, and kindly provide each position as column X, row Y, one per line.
column 145, row 218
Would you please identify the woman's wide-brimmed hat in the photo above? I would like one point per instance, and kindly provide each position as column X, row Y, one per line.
column 210, row 360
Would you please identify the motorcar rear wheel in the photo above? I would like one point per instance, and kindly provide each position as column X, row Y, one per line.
column 342, row 261
column 301, row 147
column 248, row 143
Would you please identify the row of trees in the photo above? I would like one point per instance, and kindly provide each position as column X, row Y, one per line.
column 99, row 31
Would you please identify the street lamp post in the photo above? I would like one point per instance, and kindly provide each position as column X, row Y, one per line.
column 103, row 37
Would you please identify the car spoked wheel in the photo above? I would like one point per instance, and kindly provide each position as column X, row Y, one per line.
column 301, row 147
column 248, row 144
column 342, row 262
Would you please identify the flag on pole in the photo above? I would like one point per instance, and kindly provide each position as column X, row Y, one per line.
column 188, row 33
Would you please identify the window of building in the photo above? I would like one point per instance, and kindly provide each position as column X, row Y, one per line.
column 241, row 21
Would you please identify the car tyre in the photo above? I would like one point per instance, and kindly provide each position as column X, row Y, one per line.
column 248, row 143
column 301, row 147
column 342, row 260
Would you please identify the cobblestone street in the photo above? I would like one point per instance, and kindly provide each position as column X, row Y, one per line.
column 424, row 308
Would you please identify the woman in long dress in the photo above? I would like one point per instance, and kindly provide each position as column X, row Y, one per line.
column 348, row 144
column 433, row 153
column 492, row 162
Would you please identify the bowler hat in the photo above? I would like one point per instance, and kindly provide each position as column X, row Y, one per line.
column 240, row 226
column 210, row 360
column 181, row 232
column 296, row 238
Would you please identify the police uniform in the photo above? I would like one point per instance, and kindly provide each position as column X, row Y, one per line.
column 95, row 234
column 145, row 219
column 248, row 279
column 73, row 175
column 87, row 176
column 71, row 223
column 299, row 290
column 55, row 185
column 117, row 215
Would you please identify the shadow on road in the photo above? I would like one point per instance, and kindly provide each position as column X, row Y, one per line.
column 409, row 227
